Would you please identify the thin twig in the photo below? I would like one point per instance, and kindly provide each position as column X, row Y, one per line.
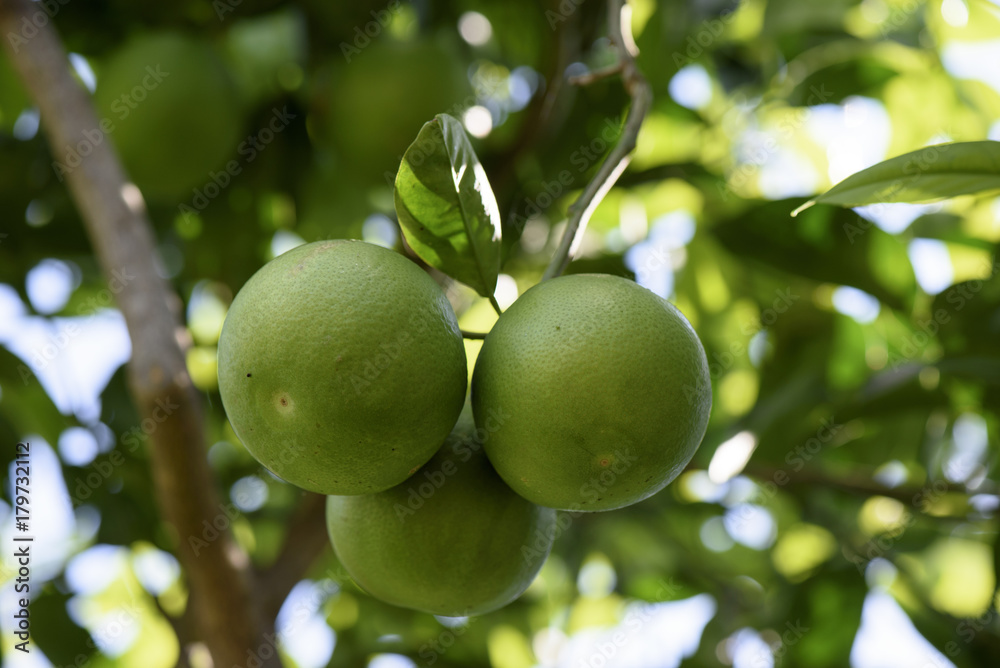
column 811, row 477
column 596, row 75
column 642, row 98
column 216, row 568
column 495, row 305
column 473, row 335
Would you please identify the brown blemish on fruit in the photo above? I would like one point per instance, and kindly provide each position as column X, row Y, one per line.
column 605, row 462
column 284, row 403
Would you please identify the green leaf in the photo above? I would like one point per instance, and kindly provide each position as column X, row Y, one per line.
column 446, row 207
column 931, row 173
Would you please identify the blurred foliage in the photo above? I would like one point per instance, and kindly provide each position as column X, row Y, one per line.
column 873, row 417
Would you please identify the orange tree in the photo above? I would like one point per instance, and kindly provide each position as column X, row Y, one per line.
column 843, row 500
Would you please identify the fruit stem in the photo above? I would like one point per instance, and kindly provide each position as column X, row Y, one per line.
column 620, row 33
column 473, row 335
column 495, row 305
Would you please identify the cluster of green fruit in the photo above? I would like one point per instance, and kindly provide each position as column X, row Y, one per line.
column 343, row 371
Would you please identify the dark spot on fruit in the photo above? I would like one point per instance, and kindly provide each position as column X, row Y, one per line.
column 248, row 375
column 284, row 401
column 648, row 479
column 394, row 449
column 605, row 462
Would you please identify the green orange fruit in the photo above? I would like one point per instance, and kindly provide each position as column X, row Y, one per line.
column 452, row 540
column 168, row 102
column 607, row 390
column 368, row 107
column 341, row 367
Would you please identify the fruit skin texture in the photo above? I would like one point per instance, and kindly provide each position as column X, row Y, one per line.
column 607, row 387
column 452, row 540
column 341, row 367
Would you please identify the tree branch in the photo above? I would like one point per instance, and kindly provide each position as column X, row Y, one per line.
column 811, row 477
column 114, row 214
column 305, row 541
column 616, row 162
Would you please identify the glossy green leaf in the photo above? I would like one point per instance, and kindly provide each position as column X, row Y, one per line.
column 931, row 173
column 446, row 207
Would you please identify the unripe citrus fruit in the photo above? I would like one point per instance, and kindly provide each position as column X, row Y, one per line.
column 369, row 127
column 341, row 367
column 452, row 540
column 169, row 103
column 607, row 389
